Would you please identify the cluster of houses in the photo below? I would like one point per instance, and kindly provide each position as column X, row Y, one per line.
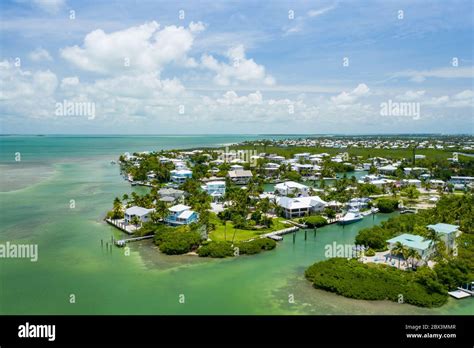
column 295, row 199
column 464, row 143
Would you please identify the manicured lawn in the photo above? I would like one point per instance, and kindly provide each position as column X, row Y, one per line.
column 220, row 233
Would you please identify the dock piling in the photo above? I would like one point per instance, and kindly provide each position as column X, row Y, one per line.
column 294, row 237
column 305, row 235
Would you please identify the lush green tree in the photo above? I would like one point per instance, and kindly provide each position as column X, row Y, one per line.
column 411, row 192
column 354, row 279
column 135, row 221
column 330, row 213
column 387, row 205
column 315, row 221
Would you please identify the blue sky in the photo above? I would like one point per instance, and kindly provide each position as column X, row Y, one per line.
column 236, row 66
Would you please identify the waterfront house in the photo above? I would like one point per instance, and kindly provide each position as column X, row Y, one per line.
column 240, row 176
column 366, row 166
column 376, row 180
column 271, row 168
column 181, row 214
column 435, row 183
column 447, row 234
column 143, row 214
column 423, row 246
column 290, row 187
column 179, row 176
column 388, row 169
column 358, row 203
column 216, row 189
column 303, row 168
column 301, row 206
column 461, row 180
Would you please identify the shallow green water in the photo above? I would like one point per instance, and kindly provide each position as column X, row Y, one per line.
column 36, row 209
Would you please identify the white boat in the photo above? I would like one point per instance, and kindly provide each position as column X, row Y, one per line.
column 351, row 217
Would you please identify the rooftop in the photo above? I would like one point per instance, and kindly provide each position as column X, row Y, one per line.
column 443, row 228
column 179, row 207
column 411, row 241
column 138, row 211
column 239, row 173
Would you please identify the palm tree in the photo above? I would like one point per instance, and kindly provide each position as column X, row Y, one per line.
column 433, row 237
column 398, row 250
column 135, row 220
column 223, row 219
column 413, row 255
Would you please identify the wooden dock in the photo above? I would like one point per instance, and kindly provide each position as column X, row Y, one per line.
column 296, row 224
column 122, row 242
column 461, row 293
column 129, row 229
column 277, row 235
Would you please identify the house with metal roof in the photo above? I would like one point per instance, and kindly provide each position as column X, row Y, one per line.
column 181, row 214
column 240, row 176
column 301, row 206
column 143, row 214
column 216, row 189
column 447, row 233
column 423, row 246
column 179, row 176
column 290, row 187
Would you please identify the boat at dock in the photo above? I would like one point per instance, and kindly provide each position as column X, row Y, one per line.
column 351, row 217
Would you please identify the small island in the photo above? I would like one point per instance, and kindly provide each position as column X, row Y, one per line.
column 409, row 258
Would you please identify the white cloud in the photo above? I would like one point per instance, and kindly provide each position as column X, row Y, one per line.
column 25, row 84
column 69, row 81
column 444, row 73
column 464, row 99
column 300, row 22
column 40, row 54
column 467, row 94
column 238, row 69
column 231, row 98
column 50, row 6
column 29, row 94
column 315, row 13
column 411, row 95
column 144, row 48
column 347, row 98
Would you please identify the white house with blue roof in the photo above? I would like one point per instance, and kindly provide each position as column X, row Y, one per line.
column 216, row 189
column 423, row 246
column 179, row 176
column 181, row 214
column 447, row 233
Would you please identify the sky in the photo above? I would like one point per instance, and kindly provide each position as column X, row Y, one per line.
column 250, row 67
